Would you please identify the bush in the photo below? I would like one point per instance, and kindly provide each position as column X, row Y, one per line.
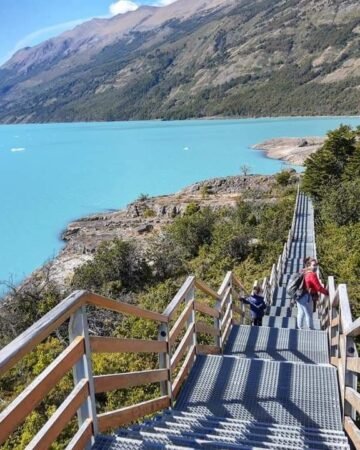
column 149, row 213
column 190, row 232
column 117, row 267
column 283, row 177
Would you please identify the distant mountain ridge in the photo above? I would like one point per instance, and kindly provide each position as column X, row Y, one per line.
column 192, row 59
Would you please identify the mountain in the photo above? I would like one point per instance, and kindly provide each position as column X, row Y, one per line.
column 193, row 59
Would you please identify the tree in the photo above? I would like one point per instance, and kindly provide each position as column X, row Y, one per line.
column 326, row 167
column 283, row 177
column 245, row 169
column 340, row 205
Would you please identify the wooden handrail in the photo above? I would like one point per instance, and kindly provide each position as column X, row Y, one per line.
column 205, row 328
column 100, row 344
column 353, row 329
column 124, row 308
column 227, row 282
column 238, row 283
column 353, row 364
column 179, row 297
column 82, row 438
column 129, row 414
column 206, row 289
column 226, row 331
column 180, row 323
column 58, row 421
column 353, row 397
column 180, row 351
column 105, row 383
column 184, row 371
column 353, row 431
column 40, row 330
column 24, row 403
column 208, row 349
column 226, row 318
column 205, row 309
column 346, row 316
column 81, row 345
column 225, row 299
column 344, row 353
column 80, row 349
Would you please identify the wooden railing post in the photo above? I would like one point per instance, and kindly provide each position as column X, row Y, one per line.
column 165, row 362
column 78, row 326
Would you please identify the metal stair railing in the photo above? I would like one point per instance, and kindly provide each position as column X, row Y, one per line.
column 189, row 320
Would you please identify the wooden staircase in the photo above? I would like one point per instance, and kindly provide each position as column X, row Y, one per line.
column 247, row 388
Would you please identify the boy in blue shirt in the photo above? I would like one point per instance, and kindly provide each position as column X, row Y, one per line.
column 257, row 306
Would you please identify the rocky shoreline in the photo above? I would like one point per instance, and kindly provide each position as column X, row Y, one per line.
column 291, row 150
column 146, row 217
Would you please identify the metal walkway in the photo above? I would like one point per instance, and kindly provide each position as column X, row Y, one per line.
column 272, row 388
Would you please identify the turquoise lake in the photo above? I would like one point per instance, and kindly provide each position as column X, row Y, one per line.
column 51, row 174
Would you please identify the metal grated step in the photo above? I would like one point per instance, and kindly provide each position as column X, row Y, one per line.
column 301, row 250
column 283, row 311
column 265, row 391
column 203, row 439
column 281, row 297
column 235, row 424
column 286, row 322
column 278, row 344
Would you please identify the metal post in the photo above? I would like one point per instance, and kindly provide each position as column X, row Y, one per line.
column 165, row 362
column 78, row 326
column 217, row 325
column 351, row 379
column 190, row 297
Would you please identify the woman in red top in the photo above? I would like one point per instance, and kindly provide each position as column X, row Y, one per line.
column 312, row 282
column 312, row 287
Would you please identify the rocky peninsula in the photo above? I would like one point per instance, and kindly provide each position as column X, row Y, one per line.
column 291, row 150
column 147, row 216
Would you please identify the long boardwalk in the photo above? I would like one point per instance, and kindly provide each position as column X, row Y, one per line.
column 272, row 388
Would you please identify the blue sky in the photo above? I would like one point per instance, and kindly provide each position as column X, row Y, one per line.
column 28, row 22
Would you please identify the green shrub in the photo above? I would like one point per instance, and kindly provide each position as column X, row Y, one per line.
column 149, row 213
column 191, row 209
column 143, row 197
column 118, row 266
column 283, row 178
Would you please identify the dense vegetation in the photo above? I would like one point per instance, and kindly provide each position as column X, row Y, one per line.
column 246, row 238
column 332, row 178
column 258, row 59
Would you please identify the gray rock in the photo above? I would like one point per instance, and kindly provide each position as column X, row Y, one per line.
column 146, row 228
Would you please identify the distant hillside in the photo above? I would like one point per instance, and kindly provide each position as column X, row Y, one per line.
column 193, row 59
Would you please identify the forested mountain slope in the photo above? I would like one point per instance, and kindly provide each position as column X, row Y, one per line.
column 193, row 59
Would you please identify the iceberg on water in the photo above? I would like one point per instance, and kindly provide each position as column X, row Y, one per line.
column 18, row 149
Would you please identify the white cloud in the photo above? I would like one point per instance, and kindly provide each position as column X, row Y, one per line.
column 165, row 2
column 122, row 7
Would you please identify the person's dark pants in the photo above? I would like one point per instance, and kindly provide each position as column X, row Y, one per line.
column 257, row 322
